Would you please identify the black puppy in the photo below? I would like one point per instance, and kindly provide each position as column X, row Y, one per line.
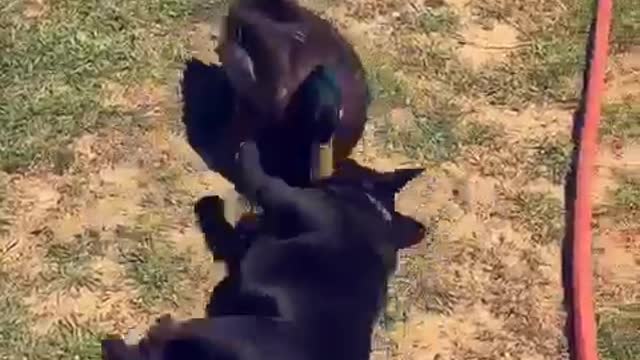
column 320, row 257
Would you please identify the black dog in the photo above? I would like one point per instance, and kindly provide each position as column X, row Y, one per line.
column 307, row 280
column 320, row 257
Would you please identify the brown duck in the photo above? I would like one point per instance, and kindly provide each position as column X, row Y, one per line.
column 296, row 81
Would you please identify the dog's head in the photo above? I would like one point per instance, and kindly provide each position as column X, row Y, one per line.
column 378, row 191
column 362, row 197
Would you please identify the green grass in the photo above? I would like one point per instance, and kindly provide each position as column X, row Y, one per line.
column 475, row 133
column 71, row 262
column 539, row 73
column 70, row 341
column 626, row 25
column 433, row 136
column 439, row 20
column 619, row 334
column 551, row 158
column 540, row 214
column 66, row 341
column 385, row 86
column 153, row 266
column 13, row 318
column 52, row 68
column 547, row 69
column 625, row 201
column 396, row 310
column 627, row 196
column 621, row 121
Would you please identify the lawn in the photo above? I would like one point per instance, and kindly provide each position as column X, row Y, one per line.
column 97, row 183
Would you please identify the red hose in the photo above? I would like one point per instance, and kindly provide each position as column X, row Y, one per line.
column 583, row 308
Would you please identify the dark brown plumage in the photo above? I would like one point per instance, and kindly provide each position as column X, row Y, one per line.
column 271, row 52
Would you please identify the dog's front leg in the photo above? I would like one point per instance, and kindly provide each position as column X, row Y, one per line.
column 304, row 209
column 224, row 241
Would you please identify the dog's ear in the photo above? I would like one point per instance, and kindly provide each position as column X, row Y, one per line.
column 406, row 231
column 390, row 181
column 384, row 186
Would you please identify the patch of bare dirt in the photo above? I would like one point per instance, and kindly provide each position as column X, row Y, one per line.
column 34, row 9
column 482, row 46
column 617, row 267
column 623, row 79
column 143, row 96
column 145, row 178
column 481, row 43
column 627, row 158
column 113, row 197
column 488, row 290
column 533, row 121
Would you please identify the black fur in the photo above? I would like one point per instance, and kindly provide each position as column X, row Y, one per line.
column 267, row 30
column 306, row 281
column 321, row 258
column 224, row 338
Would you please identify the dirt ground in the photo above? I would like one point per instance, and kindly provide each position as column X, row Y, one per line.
column 112, row 243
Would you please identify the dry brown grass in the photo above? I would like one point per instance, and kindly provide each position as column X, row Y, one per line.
column 104, row 240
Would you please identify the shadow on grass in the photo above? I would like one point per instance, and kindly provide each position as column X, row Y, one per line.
column 207, row 110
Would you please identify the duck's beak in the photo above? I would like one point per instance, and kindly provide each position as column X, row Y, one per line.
column 325, row 167
column 322, row 160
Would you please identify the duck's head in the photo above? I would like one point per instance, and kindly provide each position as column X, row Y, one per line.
column 318, row 107
column 319, row 101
